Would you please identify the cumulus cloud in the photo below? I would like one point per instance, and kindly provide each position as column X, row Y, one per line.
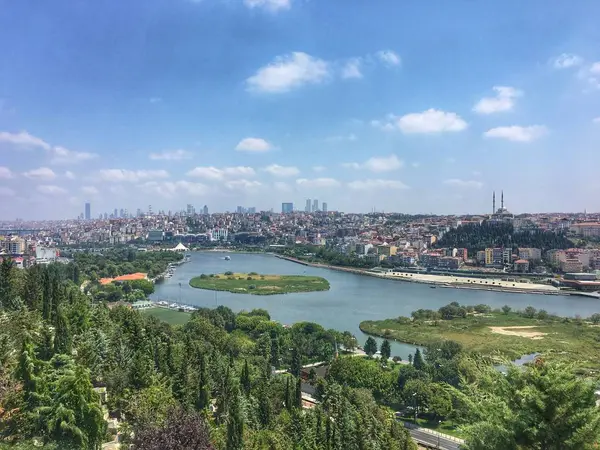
column 171, row 155
column 23, row 139
column 351, row 69
column 517, row 133
column 269, row 5
column 389, row 57
column 566, row 60
column 216, row 174
column 89, row 190
column 49, row 189
column 375, row 184
column 342, row 138
column 69, row 175
column 288, row 72
column 503, row 101
column 242, row 185
column 469, row 184
column 43, row 174
column 253, row 145
column 317, row 182
column 431, row 121
column 281, row 186
column 282, row 171
column 378, row 164
column 6, row 173
column 61, row 155
column 131, row 176
column 384, row 126
column 170, row 189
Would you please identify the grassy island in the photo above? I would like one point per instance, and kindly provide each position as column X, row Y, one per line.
column 500, row 334
column 257, row 284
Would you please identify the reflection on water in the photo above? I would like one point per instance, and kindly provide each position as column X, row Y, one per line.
column 351, row 299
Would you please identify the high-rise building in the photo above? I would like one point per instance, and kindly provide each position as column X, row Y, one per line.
column 307, row 207
column 240, row 210
column 115, row 215
column 205, row 210
column 324, row 206
column 190, row 210
column 88, row 211
column 287, row 208
column 315, row 206
column 251, row 210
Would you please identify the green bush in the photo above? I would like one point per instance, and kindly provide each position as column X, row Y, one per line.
column 203, row 276
column 252, row 286
column 249, row 278
column 229, row 272
column 252, row 273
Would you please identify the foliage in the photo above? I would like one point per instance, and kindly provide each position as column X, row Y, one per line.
column 242, row 283
column 370, row 346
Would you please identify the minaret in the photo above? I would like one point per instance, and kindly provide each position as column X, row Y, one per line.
column 494, row 203
column 502, row 200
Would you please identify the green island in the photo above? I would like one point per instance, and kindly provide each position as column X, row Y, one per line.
column 502, row 335
column 258, row 284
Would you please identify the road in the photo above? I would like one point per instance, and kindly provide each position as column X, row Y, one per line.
column 431, row 441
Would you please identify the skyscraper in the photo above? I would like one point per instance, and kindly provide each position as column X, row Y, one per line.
column 115, row 214
column 88, row 211
column 315, row 206
column 287, row 208
column 307, row 207
column 324, row 206
column 205, row 210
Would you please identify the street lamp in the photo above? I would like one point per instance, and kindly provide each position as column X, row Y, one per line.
column 415, row 407
column 440, row 424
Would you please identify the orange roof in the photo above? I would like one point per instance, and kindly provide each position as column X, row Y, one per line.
column 130, row 277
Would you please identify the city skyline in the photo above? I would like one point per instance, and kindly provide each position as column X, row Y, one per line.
column 420, row 112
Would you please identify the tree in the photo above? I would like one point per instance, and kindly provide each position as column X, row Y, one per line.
column 296, row 367
column 386, row 350
column 62, row 334
column 6, row 279
column 203, row 394
column 182, row 430
column 542, row 314
column 529, row 312
column 418, row 362
column 264, row 405
column 288, row 395
column 370, row 346
column 506, row 309
column 595, row 318
column 245, row 378
column 298, row 396
column 235, row 423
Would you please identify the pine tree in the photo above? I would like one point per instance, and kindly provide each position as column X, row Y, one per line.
column 264, row 406
column 275, row 352
column 6, row 275
column 26, row 373
column 296, row 367
column 386, row 350
column 46, row 348
column 235, row 423
column 181, row 384
column 245, row 378
column 418, row 362
column 370, row 346
column 62, row 334
column 288, row 395
column 298, row 402
column 203, row 395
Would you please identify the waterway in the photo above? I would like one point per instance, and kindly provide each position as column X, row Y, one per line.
column 351, row 299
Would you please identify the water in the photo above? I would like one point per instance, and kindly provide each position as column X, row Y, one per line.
column 351, row 299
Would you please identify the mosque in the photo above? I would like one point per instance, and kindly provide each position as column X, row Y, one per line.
column 501, row 214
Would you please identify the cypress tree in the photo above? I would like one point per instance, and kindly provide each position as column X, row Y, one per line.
column 418, row 362
column 298, row 402
column 235, row 423
column 245, row 378
column 62, row 334
column 296, row 367
column 264, row 406
column 203, row 396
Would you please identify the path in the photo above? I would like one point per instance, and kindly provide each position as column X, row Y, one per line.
column 432, row 439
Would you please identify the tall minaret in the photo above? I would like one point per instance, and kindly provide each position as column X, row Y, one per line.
column 494, row 203
column 502, row 200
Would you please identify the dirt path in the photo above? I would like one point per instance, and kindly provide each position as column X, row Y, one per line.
column 516, row 331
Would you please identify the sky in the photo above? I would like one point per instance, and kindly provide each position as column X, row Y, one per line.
column 394, row 105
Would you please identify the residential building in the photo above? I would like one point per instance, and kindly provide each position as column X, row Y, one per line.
column 571, row 265
column 521, row 265
column 219, row 234
column 449, row 262
column 307, row 208
column 205, row 210
column 363, row 249
column 324, row 207
column 481, row 256
column 530, row 254
column 287, row 208
column 13, row 245
column 315, row 205
column 155, row 236
column 586, row 229
column 461, row 253
column 387, row 250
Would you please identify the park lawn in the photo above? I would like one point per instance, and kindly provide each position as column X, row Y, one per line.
column 574, row 342
column 171, row 316
column 256, row 284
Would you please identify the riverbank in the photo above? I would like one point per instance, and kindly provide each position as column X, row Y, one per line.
column 257, row 284
column 502, row 336
column 444, row 281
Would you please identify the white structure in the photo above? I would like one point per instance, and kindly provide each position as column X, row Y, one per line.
column 180, row 248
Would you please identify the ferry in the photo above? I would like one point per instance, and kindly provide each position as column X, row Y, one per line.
column 227, row 258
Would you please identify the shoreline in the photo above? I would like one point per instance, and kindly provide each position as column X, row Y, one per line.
column 443, row 281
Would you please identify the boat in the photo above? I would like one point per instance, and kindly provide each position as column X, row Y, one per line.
column 227, row 258
column 432, row 287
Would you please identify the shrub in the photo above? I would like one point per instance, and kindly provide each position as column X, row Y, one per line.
column 228, row 273
column 252, row 273
column 252, row 286
column 249, row 278
column 212, row 275
column 203, row 276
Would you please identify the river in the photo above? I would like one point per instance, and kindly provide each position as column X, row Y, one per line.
column 351, row 299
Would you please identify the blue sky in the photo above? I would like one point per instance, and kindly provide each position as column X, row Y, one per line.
column 409, row 106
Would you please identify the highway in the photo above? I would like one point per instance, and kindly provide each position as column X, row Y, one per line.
column 431, row 441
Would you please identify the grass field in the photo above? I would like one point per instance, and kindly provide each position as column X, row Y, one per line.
column 171, row 316
column 257, row 284
column 503, row 337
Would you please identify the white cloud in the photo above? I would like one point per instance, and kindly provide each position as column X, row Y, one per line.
column 384, row 126
column 6, row 173
column 23, row 139
column 389, row 57
column 503, row 101
column 288, row 72
column 378, row 164
column 352, row 69
column 171, row 155
column 131, row 176
column 317, row 182
column 270, row 5
column 517, row 133
column 368, row 185
column 170, row 189
column 319, row 168
column 242, row 185
column 7, row 192
column 469, row 184
column 69, row 175
column 253, row 145
column 89, row 190
column 61, row 155
column 341, row 138
column 431, row 121
column 595, row 68
column 282, row 171
column 566, row 60
column 43, row 173
column 281, row 186
column 214, row 173
column 49, row 189
column 596, row 120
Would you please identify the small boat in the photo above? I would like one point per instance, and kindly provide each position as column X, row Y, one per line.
column 432, row 287
column 227, row 258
